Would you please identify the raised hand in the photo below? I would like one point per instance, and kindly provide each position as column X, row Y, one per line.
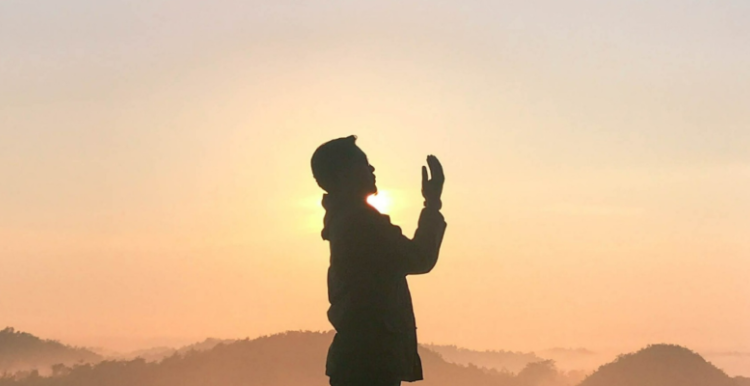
column 432, row 188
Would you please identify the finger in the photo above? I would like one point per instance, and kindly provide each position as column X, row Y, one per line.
column 424, row 174
column 436, row 168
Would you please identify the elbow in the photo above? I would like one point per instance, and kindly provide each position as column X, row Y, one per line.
column 423, row 271
column 427, row 263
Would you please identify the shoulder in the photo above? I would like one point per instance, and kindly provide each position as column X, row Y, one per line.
column 360, row 222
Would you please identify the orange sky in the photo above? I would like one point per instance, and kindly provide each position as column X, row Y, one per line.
column 156, row 185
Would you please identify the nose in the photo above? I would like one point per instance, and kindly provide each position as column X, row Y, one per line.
column 372, row 168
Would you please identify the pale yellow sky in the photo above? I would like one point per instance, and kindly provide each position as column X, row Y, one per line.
column 156, row 185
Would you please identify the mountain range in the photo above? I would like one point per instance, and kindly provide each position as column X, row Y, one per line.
column 297, row 358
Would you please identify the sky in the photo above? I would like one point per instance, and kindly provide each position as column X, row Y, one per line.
column 156, row 184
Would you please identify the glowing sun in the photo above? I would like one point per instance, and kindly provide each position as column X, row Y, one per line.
column 380, row 201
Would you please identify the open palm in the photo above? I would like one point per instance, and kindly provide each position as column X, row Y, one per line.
column 432, row 188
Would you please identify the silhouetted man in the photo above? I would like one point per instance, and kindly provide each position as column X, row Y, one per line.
column 371, row 309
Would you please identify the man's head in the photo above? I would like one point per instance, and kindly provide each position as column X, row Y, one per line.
column 340, row 167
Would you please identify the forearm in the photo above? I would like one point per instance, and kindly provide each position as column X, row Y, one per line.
column 428, row 238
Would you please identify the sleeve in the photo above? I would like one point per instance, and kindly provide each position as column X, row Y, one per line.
column 373, row 244
column 420, row 254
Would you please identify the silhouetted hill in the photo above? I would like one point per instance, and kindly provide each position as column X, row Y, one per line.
column 288, row 359
column 298, row 359
column 20, row 351
column 500, row 360
column 659, row 365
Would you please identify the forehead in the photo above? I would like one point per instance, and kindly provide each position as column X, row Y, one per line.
column 358, row 155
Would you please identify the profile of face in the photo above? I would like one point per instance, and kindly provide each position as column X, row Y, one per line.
column 358, row 177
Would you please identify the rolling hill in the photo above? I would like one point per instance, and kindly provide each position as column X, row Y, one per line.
column 288, row 359
column 298, row 359
column 660, row 365
column 21, row 351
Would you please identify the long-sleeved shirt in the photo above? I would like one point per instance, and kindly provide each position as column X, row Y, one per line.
column 371, row 307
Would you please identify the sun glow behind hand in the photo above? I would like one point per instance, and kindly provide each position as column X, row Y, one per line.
column 380, row 201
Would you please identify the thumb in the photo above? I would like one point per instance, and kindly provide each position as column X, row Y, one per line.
column 424, row 174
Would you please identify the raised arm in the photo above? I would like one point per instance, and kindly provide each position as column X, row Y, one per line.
column 378, row 247
column 426, row 243
column 420, row 254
